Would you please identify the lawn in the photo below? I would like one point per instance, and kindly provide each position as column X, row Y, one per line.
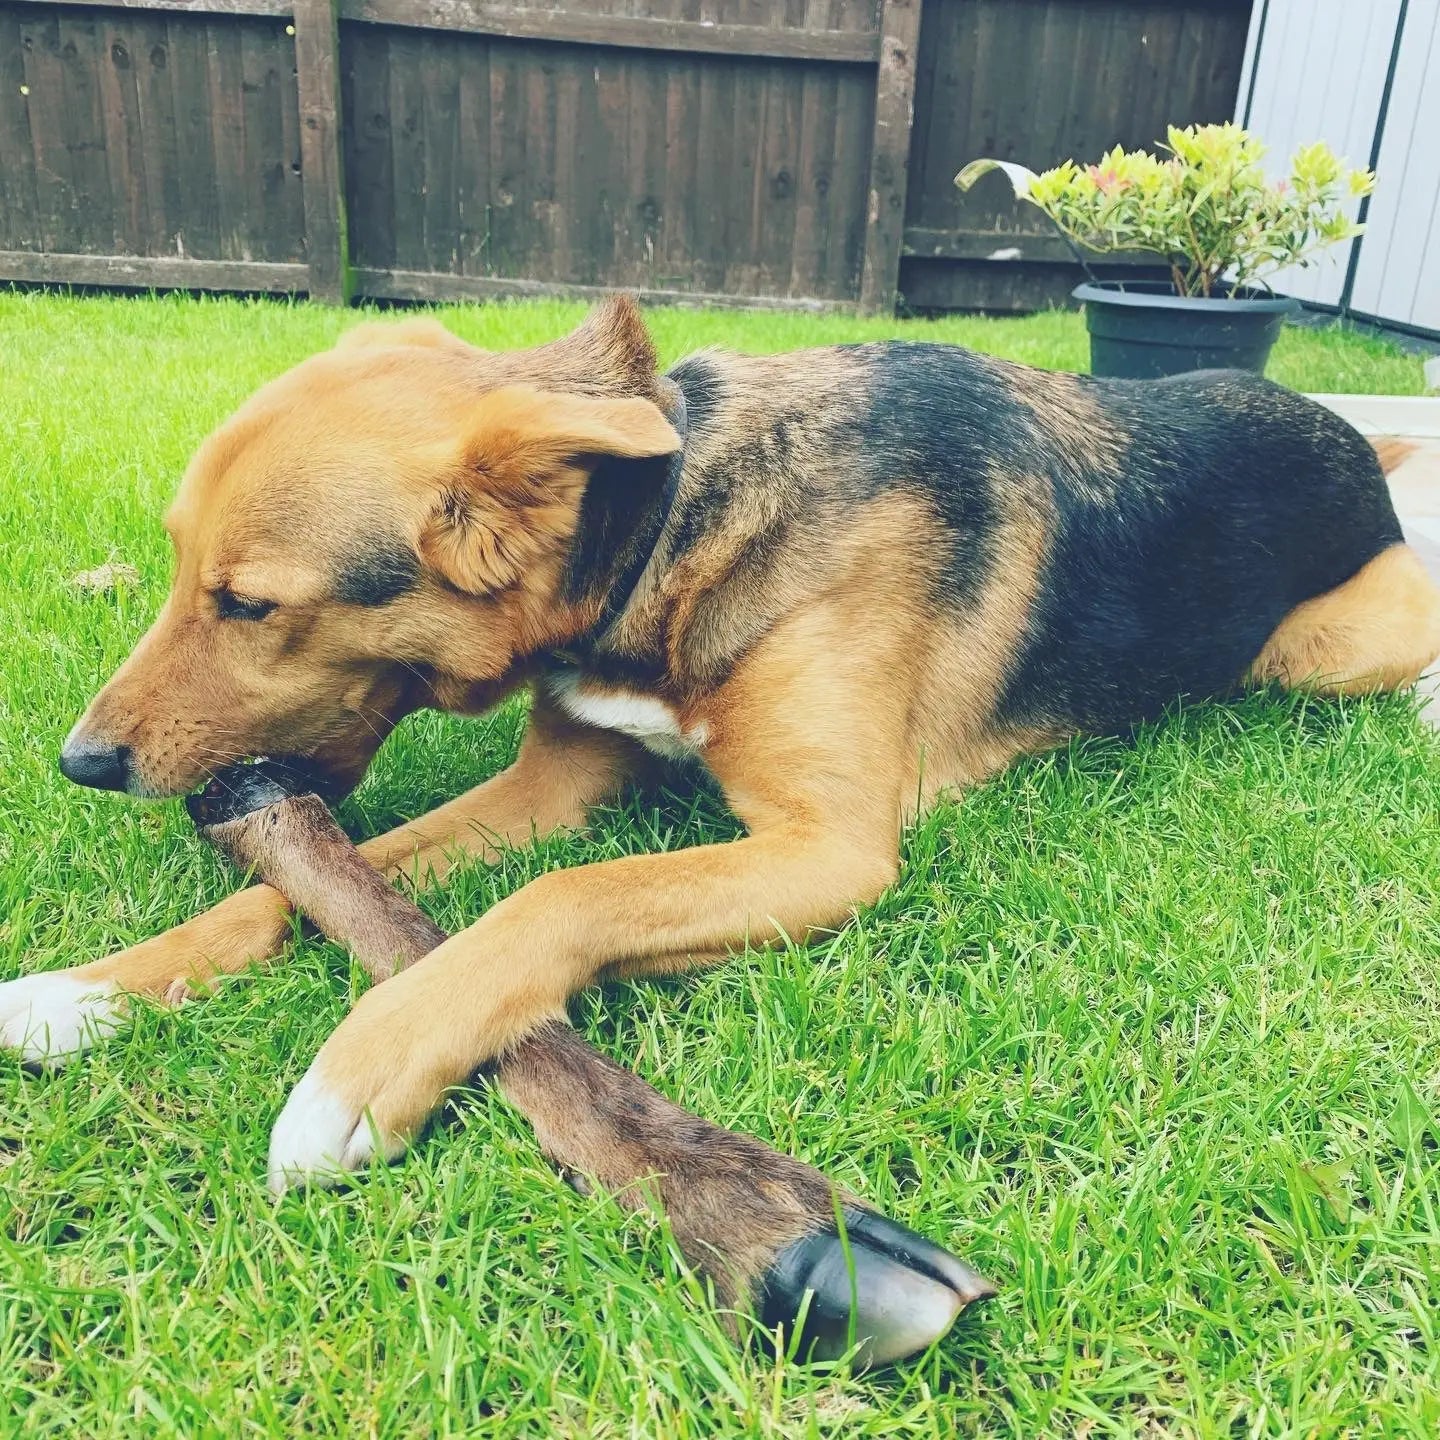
column 1148, row 1030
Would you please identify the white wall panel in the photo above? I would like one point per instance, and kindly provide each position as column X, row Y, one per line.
column 1319, row 75
column 1398, row 277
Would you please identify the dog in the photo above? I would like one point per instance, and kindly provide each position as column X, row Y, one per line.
column 845, row 582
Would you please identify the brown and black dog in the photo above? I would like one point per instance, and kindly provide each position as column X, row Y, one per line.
column 843, row 581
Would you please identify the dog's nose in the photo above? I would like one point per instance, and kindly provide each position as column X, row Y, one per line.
column 95, row 763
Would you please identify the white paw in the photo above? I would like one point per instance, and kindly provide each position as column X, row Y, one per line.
column 319, row 1136
column 51, row 1018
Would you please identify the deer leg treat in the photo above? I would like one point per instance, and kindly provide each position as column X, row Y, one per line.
column 760, row 1224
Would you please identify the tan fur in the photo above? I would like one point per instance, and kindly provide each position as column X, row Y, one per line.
column 956, row 742
column 515, row 498
column 718, row 598
column 387, row 334
column 1380, row 630
column 808, row 762
column 1393, row 452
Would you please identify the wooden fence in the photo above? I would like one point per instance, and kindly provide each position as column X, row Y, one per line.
column 780, row 152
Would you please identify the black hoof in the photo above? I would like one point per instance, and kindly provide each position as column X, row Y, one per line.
column 902, row 1294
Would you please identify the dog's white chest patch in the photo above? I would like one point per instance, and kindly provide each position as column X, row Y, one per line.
column 642, row 717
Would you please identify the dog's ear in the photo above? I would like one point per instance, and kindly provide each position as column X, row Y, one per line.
column 514, row 496
column 378, row 335
column 613, row 344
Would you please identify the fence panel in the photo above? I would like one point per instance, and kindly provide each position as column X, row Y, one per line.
column 137, row 133
column 1398, row 275
column 480, row 165
column 1040, row 81
column 780, row 152
column 1318, row 74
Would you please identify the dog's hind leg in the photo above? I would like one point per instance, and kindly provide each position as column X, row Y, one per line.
column 561, row 772
column 1380, row 630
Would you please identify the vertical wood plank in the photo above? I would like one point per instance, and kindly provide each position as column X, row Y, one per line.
column 369, row 172
column 125, row 138
column 92, row 200
column 165, row 197
column 711, row 176
column 852, row 129
column 226, row 123
column 317, row 67
column 442, row 128
column 776, row 178
column 472, row 197
column 193, row 224
column 654, row 213
column 542, row 210
column 742, row 252
column 503, row 253
column 812, row 181
column 890, row 154
column 682, row 165
column 273, row 192
column 570, row 161
column 19, row 207
column 406, row 105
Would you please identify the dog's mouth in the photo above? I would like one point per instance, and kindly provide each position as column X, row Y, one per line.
column 248, row 785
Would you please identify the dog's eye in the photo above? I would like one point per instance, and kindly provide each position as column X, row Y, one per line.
column 230, row 606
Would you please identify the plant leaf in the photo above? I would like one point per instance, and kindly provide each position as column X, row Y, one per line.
column 1020, row 178
column 1411, row 1120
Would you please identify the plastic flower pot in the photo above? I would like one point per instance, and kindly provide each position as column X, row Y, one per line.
column 1146, row 330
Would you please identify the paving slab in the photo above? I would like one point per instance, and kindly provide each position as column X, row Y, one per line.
column 1415, row 489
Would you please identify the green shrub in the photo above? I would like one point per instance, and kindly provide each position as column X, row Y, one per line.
column 1206, row 205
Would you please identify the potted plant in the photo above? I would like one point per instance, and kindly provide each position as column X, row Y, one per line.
column 1207, row 208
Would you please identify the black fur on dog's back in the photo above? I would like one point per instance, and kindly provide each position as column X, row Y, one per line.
column 1257, row 500
column 1190, row 516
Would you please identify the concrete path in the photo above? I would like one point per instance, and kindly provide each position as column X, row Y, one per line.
column 1415, row 489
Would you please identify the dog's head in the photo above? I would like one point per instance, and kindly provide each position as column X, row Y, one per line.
column 384, row 527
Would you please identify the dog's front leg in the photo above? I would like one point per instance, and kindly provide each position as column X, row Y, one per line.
column 809, row 748
column 562, row 770
column 387, row 1066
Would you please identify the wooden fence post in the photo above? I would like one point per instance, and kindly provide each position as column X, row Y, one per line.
column 317, row 75
column 890, row 154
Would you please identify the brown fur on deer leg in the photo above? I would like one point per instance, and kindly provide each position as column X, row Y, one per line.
column 762, row 1225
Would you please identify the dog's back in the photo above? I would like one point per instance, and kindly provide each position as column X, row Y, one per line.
column 1154, row 534
column 1236, row 501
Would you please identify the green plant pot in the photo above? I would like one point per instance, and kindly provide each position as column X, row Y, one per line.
column 1146, row 330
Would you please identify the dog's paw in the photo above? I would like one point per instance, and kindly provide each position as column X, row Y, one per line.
column 53, row 1017
column 366, row 1094
column 377, row 1080
column 322, row 1134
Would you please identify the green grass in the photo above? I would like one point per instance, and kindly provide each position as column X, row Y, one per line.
column 1149, row 1031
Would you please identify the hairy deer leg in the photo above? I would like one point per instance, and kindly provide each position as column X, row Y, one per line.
column 762, row 1225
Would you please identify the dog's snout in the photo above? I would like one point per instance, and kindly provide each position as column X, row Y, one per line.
column 95, row 763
